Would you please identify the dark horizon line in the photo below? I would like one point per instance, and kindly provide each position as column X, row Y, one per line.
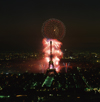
column 38, row 50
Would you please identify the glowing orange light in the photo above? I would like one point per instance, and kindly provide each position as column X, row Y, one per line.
column 20, row 95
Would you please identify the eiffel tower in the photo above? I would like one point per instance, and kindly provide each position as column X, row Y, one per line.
column 51, row 68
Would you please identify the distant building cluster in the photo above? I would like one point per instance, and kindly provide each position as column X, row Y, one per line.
column 82, row 56
column 23, row 56
column 77, row 55
column 30, row 62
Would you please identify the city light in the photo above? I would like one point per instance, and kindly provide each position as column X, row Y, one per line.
column 20, row 95
column 2, row 96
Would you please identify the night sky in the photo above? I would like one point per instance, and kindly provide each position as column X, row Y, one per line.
column 21, row 22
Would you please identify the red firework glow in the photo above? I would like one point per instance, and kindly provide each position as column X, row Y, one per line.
column 56, row 52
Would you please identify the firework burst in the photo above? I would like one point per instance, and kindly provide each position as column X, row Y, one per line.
column 56, row 52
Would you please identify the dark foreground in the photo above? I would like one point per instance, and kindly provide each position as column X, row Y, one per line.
column 81, row 86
